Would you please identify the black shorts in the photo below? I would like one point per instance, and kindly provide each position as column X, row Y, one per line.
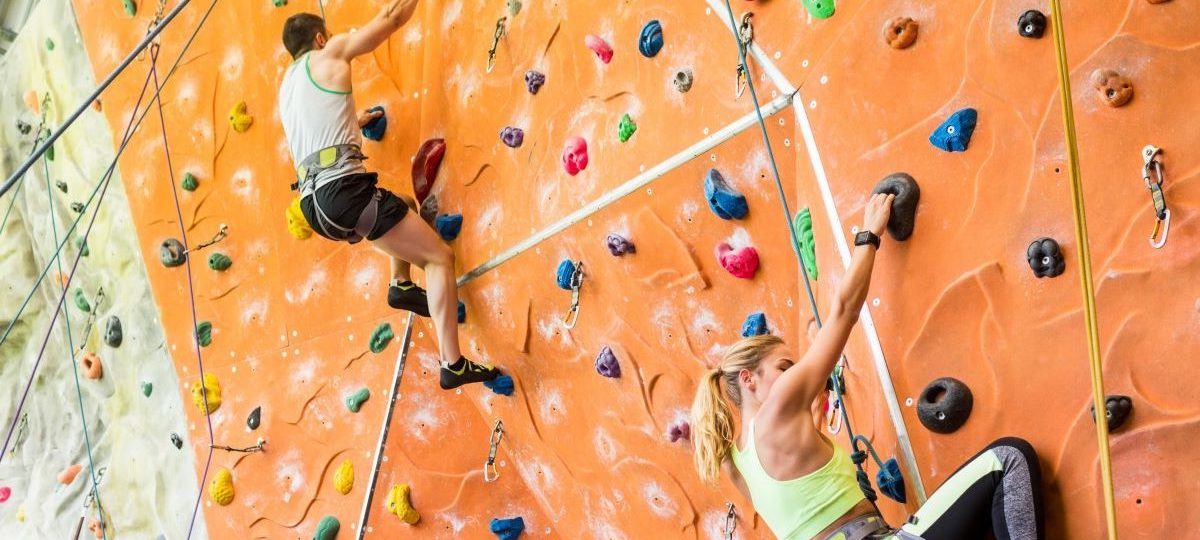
column 344, row 199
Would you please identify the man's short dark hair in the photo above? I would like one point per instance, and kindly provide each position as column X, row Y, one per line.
column 299, row 32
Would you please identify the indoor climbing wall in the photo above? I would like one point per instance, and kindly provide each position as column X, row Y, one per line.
column 574, row 129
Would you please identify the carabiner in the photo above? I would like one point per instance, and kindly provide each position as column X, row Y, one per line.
column 221, row 234
column 730, row 521
column 745, row 31
column 490, row 473
column 1152, row 176
column 739, row 85
column 572, row 316
column 491, row 63
column 833, row 419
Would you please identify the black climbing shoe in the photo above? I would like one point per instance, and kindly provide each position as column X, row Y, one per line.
column 466, row 372
column 409, row 297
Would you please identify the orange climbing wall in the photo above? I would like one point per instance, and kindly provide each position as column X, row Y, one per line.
column 586, row 456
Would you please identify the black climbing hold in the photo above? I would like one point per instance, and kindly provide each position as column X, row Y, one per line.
column 619, row 245
column 1032, row 24
column 113, row 336
column 904, row 208
column 62, row 186
column 683, row 80
column 175, row 440
column 944, row 405
column 77, row 207
column 1045, row 257
column 24, row 127
column 254, row 418
column 1116, row 411
column 171, row 253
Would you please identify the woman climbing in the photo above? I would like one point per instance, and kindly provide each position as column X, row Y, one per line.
column 803, row 485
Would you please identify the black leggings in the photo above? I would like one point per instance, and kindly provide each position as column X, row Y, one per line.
column 998, row 491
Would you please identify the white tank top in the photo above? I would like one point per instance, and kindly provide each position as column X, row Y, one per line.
column 315, row 118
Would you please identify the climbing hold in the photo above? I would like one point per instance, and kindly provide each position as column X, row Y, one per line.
column 92, row 367
column 33, row 102
column 113, row 335
column 502, row 385
column 49, row 44
column 20, row 514
column 204, row 333
column 343, row 478
column 81, row 301
column 741, row 262
column 280, row 3
column 96, row 527
column 462, row 312
column 1031, row 24
column 954, row 135
column 207, row 396
column 534, row 81
column 607, row 365
column 575, row 155
column 171, row 253
column 175, row 440
column 189, row 182
column 397, row 504
column 77, row 207
column 239, row 120
column 130, row 7
column 562, row 276
column 82, row 246
column 821, row 9
column 375, row 129
column 891, row 481
column 220, row 489
column 722, row 199
column 24, row 128
column 255, row 418
column 380, row 337
column 508, row 529
column 327, row 528
column 425, row 167
column 944, row 405
column 429, row 209
column 901, row 32
column 50, row 153
column 602, row 49
column 297, row 225
column 679, row 430
column 626, row 129
column 355, row 401
column 904, row 207
column 1116, row 411
column 802, row 226
column 619, row 245
column 96, row 105
column 512, row 136
column 755, row 325
column 683, row 80
column 1113, row 88
column 67, row 475
column 514, row 7
column 651, row 40
column 147, row 388
column 5, row 493
column 219, row 262
column 1045, row 257
column 62, row 186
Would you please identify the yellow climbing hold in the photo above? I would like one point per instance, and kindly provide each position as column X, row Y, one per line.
column 21, row 514
column 238, row 119
column 220, row 490
column 212, row 389
column 397, row 503
column 297, row 225
column 343, row 479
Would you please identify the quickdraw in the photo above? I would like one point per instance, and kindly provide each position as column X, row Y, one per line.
column 260, row 446
column 221, row 234
column 730, row 521
column 1152, row 175
column 491, row 54
column 158, row 11
column 490, row 473
column 572, row 316
column 745, row 35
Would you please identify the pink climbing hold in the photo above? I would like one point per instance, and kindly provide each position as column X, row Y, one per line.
column 603, row 50
column 741, row 262
column 575, row 155
column 5, row 493
column 681, row 430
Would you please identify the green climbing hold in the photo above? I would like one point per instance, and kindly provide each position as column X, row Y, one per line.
column 189, row 182
column 82, row 246
column 147, row 388
column 204, row 333
column 50, row 153
column 381, row 337
column 514, row 7
column 821, row 9
column 81, row 301
column 49, row 44
column 802, row 226
column 219, row 262
column 626, row 129
column 130, row 8
column 327, row 529
column 354, row 401
column 280, row 3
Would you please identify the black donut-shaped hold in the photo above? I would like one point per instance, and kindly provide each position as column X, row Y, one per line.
column 944, row 405
column 1045, row 257
column 1031, row 24
column 1116, row 410
column 904, row 208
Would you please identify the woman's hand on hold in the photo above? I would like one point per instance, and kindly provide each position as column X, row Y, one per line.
column 877, row 213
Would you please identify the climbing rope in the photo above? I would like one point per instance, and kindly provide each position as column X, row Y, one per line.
column 37, row 138
column 1085, row 267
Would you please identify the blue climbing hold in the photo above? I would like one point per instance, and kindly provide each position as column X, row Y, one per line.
column 502, row 385
column 891, row 481
column 448, row 226
column 651, row 40
column 755, row 325
column 462, row 312
column 375, row 129
column 954, row 135
column 566, row 270
column 509, row 528
column 722, row 199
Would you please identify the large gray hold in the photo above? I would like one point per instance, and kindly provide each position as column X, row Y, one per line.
column 904, row 208
column 171, row 253
column 113, row 336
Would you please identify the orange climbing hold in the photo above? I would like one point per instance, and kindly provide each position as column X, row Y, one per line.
column 32, row 101
column 901, row 32
column 68, row 474
column 91, row 365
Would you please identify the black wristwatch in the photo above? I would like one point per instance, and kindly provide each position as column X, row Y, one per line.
column 866, row 237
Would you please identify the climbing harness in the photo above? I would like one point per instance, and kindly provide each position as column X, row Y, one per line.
column 222, row 232
column 730, row 521
column 491, row 54
column 334, row 157
column 1152, row 175
column 260, row 446
column 745, row 35
column 572, row 316
column 490, row 473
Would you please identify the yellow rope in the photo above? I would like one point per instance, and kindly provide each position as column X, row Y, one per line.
column 1085, row 271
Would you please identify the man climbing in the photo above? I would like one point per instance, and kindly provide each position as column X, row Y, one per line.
column 339, row 197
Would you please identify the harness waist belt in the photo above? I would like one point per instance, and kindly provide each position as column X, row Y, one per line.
column 325, row 159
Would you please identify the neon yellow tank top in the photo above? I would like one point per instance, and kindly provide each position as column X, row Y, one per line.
column 800, row 508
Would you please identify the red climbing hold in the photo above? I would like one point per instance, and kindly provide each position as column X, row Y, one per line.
column 5, row 493
column 425, row 167
column 602, row 49
column 741, row 262
column 575, row 155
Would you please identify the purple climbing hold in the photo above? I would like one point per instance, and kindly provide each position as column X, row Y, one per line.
column 534, row 81
column 619, row 245
column 502, row 385
column 512, row 137
column 680, row 430
column 607, row 365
